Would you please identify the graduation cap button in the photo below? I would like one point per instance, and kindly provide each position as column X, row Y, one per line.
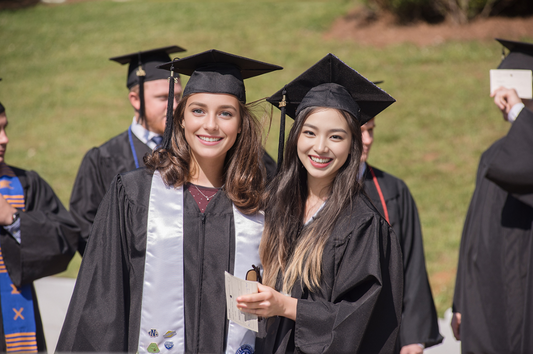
column 153, row 348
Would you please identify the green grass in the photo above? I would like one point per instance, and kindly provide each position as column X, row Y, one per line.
column 64, row 96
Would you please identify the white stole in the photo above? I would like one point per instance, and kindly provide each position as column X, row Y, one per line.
column 164, row 269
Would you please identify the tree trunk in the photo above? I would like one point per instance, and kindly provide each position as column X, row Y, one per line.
column 456, row 10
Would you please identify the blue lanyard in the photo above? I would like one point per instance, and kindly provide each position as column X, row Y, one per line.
column 133, row 148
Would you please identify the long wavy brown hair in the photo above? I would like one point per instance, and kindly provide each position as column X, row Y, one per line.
column 288, row 248
column 243, row 173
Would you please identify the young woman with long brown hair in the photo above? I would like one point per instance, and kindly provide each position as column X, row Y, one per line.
column 152, row 277
column 324, row 243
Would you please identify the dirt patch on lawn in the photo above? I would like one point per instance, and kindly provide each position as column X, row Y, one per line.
column 442, row 281
column 364, row 27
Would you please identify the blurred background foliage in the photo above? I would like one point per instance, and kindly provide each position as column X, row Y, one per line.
column 63, row 96
column 456, row 11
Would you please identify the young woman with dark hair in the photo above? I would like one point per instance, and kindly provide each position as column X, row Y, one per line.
column 152, row 277
column 324, row 242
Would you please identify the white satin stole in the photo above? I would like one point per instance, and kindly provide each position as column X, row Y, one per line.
column 164, row 269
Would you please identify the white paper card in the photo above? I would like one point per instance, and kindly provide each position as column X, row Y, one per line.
column 520, row 80
column 236, row 287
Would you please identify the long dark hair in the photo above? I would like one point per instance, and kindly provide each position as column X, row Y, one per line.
column 287, row 247
column 243, row 176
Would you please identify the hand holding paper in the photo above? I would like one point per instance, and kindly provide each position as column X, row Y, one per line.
column 236, row 287
column 268, row 302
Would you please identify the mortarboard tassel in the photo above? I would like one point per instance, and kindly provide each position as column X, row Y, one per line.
column 141, row 74
column 167, row 138
column 281, row 143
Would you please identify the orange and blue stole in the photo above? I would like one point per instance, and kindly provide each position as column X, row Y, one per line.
column 17, row 303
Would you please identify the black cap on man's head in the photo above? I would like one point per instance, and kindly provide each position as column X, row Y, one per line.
column 143, row 68
column 520, row 55
column 147, row 62
column 214, row 71
column 333, row 84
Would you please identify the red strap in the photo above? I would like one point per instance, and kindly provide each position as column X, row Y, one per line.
column 380, row 194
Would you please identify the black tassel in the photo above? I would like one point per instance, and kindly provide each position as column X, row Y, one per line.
column 281, row 143
column 167, row 138
column 141, row 74
column 141, row 98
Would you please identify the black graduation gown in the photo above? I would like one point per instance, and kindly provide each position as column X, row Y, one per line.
column 49, row 239
column 358, row 307
column 105, row 310
column 98, row 168
column 494, row 285
column 419, row 316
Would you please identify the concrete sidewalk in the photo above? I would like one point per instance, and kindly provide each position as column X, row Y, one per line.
column 54, row 296
column 449, row 345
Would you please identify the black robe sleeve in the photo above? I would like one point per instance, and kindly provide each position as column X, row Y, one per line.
column 98, row 168
column 493, row 284
column 358, row 306
column 87, row 193
column 512, row 166
column 363, row 314
column 419, row 316
column 104, row 312
column 49, row 236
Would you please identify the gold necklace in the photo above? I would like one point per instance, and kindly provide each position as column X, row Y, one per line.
column 205, row 196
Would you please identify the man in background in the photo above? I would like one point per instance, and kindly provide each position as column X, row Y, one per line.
column 38, row 238
column 493, row 300
column 148, row 95
column 390, row 195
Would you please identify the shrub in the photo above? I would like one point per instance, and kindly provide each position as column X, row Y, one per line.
column 456, row 11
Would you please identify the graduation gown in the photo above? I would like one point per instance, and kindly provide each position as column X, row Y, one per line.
column 419, row 317
column 494, row 284
column 358, row 306
column 105, row 311
column 98, row 168
column 49, row 239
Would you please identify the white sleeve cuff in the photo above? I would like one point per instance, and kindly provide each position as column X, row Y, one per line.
column 514, row 112
column 14, row 230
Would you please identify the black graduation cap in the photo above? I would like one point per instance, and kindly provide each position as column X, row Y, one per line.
column 214, row 71
column 329, row 83
column 148, row 61
column 2, row 108
column 143, row 68
column 520, row 55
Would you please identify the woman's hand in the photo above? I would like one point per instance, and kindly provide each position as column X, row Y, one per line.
column 267, row 303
